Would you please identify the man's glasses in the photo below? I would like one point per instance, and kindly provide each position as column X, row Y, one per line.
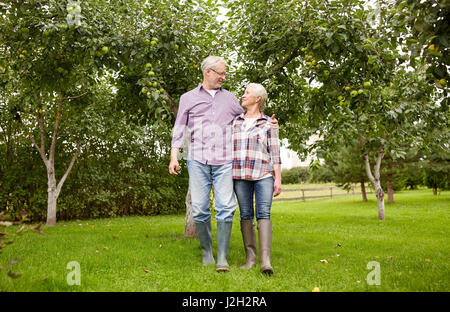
column 220, row 74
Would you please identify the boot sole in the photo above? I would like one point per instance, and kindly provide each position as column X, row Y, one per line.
column 268, row 271
column 222, row 269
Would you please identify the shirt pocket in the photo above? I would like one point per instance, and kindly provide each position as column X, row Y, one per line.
column 260, row 135
column 259, row 140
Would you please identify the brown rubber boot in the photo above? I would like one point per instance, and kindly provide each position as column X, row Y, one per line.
column 265, row 245
column 249, row 238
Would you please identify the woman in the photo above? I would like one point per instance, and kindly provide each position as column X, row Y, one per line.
column 256, row 171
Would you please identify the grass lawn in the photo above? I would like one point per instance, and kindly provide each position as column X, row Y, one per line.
column 412, row 247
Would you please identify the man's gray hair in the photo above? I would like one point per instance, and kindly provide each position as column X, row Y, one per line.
column 211, row 62
column 260, row 91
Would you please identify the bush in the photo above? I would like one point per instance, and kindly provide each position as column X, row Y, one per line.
column 295, row 175
column 321, row 174
column 132, row 179
column 437, row 180
column 437, row 171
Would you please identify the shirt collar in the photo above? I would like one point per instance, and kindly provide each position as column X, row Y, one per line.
column 200, row 86
column 242, row 116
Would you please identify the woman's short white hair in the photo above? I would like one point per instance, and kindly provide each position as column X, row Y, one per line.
column 211, row 62
column 260, row 91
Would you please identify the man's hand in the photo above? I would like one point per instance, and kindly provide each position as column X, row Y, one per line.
column 174, row 166
column 274, row 122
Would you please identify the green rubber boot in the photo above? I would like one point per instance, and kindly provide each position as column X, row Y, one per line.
column 205, row 237
column 223, row 241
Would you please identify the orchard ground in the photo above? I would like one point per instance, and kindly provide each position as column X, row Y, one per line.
column 327, row 245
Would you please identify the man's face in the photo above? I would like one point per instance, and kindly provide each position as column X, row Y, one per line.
column 216, row 75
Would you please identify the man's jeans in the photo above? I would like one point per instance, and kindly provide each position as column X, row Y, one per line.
column 201, row 178
column 263, row 190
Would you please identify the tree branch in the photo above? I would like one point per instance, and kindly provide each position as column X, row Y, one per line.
column 75, row 96
column 283, row 63
column 64, row 177
column 368, row 170
column 172, row 105
column 41, row 126
column 39, row 149
column 55, row 131
column 378, row 163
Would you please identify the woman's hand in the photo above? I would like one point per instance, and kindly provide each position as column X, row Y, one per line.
column 277, row 187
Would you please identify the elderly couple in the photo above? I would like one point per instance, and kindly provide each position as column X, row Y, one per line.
column 235, row 150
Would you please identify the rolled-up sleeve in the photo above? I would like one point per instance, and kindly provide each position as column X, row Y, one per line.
column 237, row 108
column 273, row 145
column 179, row 129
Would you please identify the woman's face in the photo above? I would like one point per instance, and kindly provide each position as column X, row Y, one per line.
column 249, row 98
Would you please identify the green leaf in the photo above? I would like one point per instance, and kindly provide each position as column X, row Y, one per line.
column 155, row 95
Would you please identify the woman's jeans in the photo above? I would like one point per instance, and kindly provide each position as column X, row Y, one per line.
column 263, row 191
column 201, row 178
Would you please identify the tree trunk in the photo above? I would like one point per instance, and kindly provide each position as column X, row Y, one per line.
column 389, row 184
column 375, row 179
column 51, row 204
column 380, row 198
column 363, row 191
column 189, row 228
column 53, row 188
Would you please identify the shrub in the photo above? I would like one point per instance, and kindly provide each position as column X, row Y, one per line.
column 295, row 175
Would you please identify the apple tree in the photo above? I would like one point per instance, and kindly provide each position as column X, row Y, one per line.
column 425, row 26
column 334, row 69
column 58, row 57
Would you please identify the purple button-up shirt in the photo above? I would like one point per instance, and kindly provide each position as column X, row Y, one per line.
column 208, row 120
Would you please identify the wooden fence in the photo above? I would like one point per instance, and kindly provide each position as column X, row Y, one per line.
column 321, row 189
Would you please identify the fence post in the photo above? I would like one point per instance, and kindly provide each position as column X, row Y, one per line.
column 303, row 195
column 331, row 192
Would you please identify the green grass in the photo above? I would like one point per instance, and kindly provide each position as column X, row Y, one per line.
column 412, row 247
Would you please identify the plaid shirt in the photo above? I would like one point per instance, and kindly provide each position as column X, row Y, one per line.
column 254, row 151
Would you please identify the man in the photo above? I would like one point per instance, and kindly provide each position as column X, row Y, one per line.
column 207, row 113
